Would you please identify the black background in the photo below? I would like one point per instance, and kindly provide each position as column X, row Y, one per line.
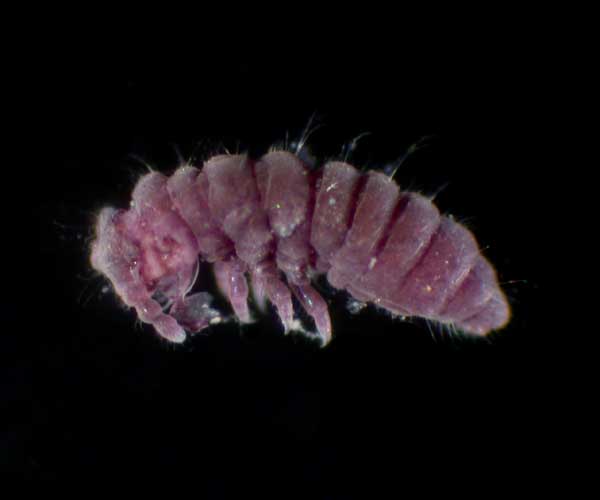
column 387, row 403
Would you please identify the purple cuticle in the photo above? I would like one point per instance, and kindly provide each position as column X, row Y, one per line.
column 278, row 223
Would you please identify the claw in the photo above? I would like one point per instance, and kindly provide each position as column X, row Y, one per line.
column 279, row 294
column 316, row 307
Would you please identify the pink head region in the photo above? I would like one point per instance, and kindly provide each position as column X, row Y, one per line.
column 150, row 256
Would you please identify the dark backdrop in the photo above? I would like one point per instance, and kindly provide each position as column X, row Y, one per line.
column 387, row 402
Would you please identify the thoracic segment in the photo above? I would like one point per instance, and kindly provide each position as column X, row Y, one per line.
column 273, row 218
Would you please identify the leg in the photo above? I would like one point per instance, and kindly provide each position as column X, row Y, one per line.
column 267, row 284
column 232, row 282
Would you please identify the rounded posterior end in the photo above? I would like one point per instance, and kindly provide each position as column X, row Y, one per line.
column 495, row 315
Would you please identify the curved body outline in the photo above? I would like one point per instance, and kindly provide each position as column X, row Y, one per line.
column 279, row 223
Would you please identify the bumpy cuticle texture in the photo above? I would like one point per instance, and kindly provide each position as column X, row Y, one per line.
column 281, row 224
